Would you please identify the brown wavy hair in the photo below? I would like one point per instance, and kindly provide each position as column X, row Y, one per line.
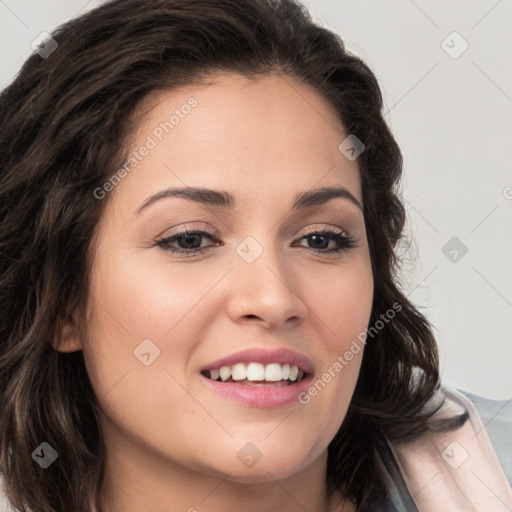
column 64, row 126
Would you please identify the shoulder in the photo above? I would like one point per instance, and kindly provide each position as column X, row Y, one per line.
column 463, row 457
column 496, row 416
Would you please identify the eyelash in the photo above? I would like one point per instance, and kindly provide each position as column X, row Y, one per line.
column 346, row 242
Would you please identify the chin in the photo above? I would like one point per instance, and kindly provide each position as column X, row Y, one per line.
column 275, row 466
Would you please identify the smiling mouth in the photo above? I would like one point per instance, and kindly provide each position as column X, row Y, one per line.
column 257, row 374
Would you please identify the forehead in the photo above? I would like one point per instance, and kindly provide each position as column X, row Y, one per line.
column 268, row 134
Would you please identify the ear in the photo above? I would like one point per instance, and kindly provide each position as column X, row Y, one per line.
column 69, row 339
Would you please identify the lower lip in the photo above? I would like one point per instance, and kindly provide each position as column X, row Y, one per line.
column 264, row 396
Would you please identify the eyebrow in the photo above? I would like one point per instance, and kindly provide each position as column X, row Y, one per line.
column 224, row 199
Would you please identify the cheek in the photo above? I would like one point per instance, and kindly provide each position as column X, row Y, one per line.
column 129, row 319
column 135, row 301
column 341, row 301
column 145, row 324
column 343, row 305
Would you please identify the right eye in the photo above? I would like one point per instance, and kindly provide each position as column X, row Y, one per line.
column 187, row 238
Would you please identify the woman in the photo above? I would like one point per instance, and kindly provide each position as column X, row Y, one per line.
column 199, row 212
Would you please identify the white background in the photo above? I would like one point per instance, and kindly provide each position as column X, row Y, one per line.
column 452, row 118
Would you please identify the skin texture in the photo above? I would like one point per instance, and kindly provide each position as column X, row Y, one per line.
column 171, row 442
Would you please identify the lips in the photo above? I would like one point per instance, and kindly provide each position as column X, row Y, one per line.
column 260, row 378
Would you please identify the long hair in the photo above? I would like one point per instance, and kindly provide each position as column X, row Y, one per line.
column 64, row 123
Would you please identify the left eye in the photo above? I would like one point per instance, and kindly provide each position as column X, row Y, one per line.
column 189, row 240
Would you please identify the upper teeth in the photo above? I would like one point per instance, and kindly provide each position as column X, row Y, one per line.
column 272, row 372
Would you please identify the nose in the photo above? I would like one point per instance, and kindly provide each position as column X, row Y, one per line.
column 265, row 292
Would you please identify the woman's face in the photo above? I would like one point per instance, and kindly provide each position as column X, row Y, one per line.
column 159, row 321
